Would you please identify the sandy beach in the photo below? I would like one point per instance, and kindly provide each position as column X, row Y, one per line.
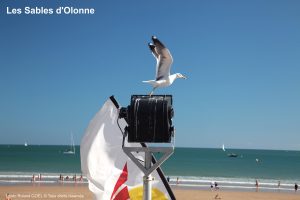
column 26, row 192
column 182, row 194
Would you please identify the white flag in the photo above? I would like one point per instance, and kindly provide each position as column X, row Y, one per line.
column 111, row 174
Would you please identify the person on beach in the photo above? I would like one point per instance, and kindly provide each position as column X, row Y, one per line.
column 216, row 189
column 7, row 196
column 177, row 181
column 211, row 186
column 296, row 187
column 33, row 178
column 278, row 185
column 61, row 177
column 168, row 179
column 74, row 178
column 256, row 185
column 81, row 178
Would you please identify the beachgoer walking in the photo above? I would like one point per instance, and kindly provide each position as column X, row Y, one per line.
column 278, row 185
column 296, row 187
column 177, row 181
column 61, row 177
column 212, row 185
column 256, row 185
column 81, row 179
column 168, row 179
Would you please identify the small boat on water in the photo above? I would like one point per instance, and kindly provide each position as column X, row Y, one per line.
column 232, row 155
column 223, row 147
column 71, row 150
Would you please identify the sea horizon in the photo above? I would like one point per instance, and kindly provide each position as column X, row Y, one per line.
column 187, row 147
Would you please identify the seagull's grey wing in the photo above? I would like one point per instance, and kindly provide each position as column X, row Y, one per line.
column 164, row 60
column 164, row 63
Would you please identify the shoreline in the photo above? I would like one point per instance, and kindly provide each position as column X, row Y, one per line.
column 72, row 192
column 172, row 185
column 183, row 184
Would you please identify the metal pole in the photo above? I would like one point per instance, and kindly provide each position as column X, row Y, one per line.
column 147, row 179
column 148, row 166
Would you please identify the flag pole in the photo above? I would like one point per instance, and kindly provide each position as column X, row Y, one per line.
column 148, row 166
column 162, row 176
column 147, row 187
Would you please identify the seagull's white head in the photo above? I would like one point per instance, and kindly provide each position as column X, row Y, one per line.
column 178, row 75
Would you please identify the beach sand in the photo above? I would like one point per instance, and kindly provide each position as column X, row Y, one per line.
column 182, row 194
column 72, row 192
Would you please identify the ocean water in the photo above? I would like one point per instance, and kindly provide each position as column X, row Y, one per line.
column 272, row 164
column 194, row 167
column 34, row 158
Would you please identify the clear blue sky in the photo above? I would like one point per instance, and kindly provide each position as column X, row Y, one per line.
column 242, row 60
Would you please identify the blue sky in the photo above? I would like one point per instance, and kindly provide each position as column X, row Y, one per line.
column 242, row 60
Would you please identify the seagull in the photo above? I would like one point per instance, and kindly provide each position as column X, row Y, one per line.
column 164, row 61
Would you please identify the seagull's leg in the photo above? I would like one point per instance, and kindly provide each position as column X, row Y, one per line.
column 151, row 92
